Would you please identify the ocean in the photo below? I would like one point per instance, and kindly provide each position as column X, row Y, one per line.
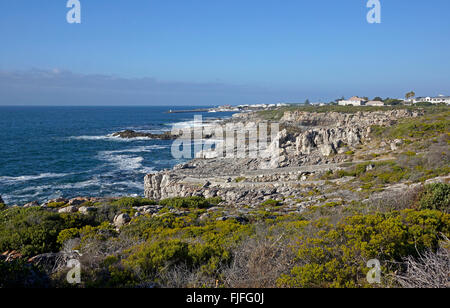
column 49, row 152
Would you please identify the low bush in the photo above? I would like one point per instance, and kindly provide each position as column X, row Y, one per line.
column 56, row 205
column 336, row 255
column 436, row 197
column 189, row 202
column 272, row 203
column 33, row 231
column 20, row 274
column 133, row 202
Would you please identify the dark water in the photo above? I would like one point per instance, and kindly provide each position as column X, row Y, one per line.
column 47, row 152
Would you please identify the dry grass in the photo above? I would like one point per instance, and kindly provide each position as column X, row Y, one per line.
column 259, row 261
column 429, row 270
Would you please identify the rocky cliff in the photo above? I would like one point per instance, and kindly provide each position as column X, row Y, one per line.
column 308, row 144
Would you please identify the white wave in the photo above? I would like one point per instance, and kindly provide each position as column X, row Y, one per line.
column 34, row 189
column 140, row 149
column 193, row 123
column 125, row 162
column 108, row 138
column 80, row 185
column 138, row 185
column 26, row 178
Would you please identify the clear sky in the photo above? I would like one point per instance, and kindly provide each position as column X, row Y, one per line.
column 166, row 52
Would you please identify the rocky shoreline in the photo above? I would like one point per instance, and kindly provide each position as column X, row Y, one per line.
column 308, row 146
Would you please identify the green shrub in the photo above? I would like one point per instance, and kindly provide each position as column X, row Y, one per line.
column 3, row 207
column 188, row 202
column 101, row 232
column 173, row 242
column 56, row 205
column 133, row 202
column 240, row 179
column 427, row 126
column 436, row 197
column 272, row 203
column 336, row 255
column 67, row 234
column 20, row 274
column 34, row 231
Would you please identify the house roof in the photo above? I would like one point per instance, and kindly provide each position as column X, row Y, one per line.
column 356, row 98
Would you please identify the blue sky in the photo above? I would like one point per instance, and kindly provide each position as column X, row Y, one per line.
column 208, row 51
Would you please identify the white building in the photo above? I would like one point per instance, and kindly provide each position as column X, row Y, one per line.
column 353, row 101
column 441, row 99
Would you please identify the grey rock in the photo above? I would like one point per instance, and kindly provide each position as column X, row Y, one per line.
column 68, row 209
column 121, row 220
column 78, row 201
column 32, row 204
column 86, row 209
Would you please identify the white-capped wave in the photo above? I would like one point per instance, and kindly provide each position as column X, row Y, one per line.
column 193, row 123
column 80, row 185
column 125, row 162
column 26, row 178
column 132, row 184
column 140, row 149
column 109, row 137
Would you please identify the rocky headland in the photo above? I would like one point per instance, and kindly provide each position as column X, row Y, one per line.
column 308, row 145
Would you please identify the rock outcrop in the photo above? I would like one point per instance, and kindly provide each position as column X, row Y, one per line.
column 121, row 220
column 308, row 143
column 339, row 119
column 329, row 140
column 129, row 134
column 68, row 209
column 31, row 204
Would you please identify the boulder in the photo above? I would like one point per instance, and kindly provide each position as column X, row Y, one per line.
column 31, row 204
column 86, row 209
column 121, row 220
column 57, row 200
column 68, row 209
column 327, row 150
column 395, row 144
column 78, row 201
column 1, row 200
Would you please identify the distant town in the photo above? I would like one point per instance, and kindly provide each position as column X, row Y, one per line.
column 410, row 99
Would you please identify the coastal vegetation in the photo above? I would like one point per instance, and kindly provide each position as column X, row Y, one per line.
column 326, row 246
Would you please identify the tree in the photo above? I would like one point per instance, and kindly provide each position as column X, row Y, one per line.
column 378, row 99
column 307, row 102
column 392, row 101
column 410, row 95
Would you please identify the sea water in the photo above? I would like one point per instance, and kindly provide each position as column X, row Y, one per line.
column 49, row 152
